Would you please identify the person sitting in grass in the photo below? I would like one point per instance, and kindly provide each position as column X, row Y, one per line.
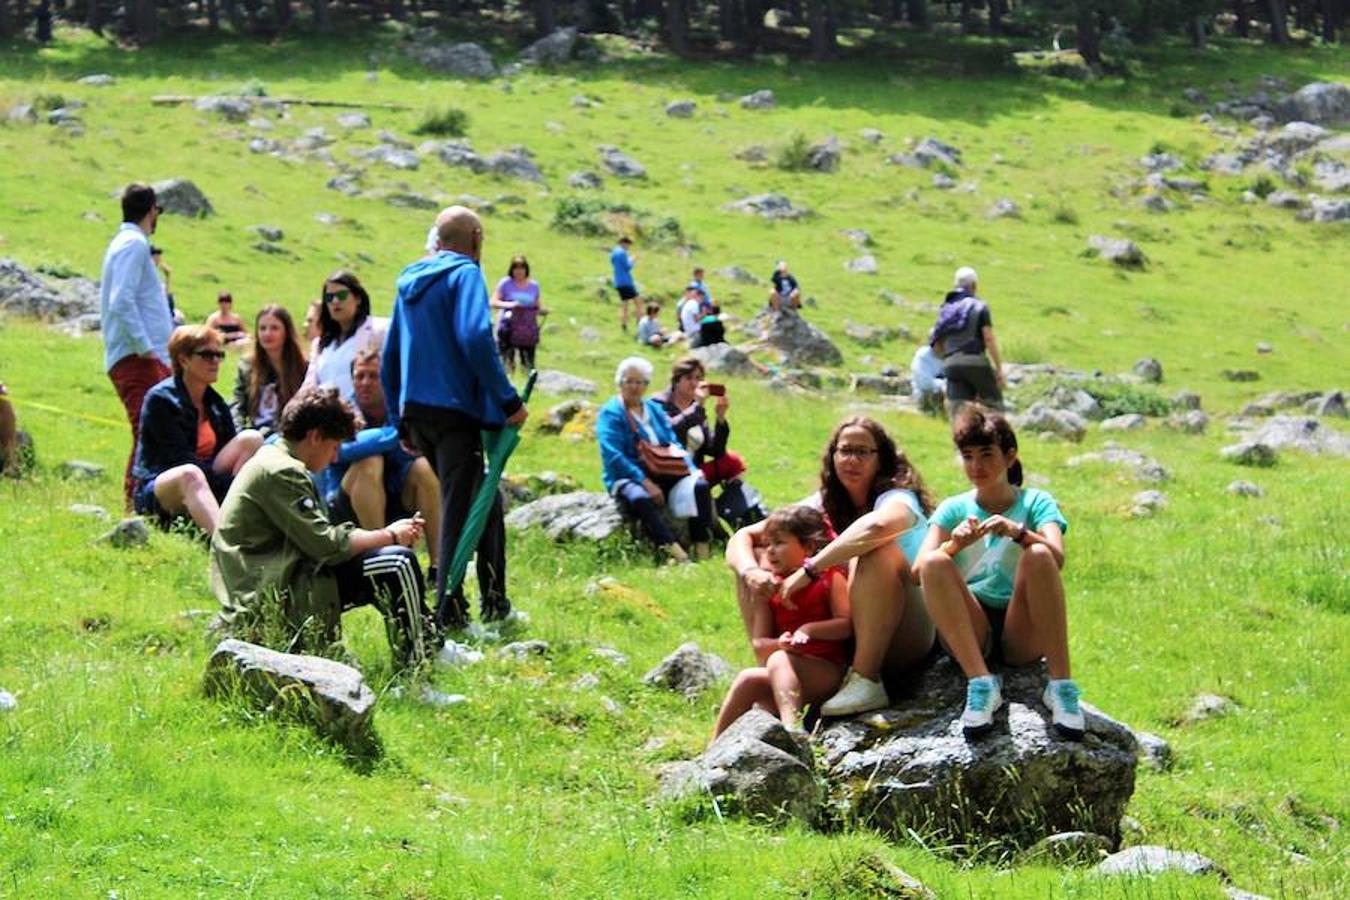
column 227, row 321
column 189, row 450
column 799, row 642
column 990, row 570
column 13, row 442
column 284, row 574
column 649, row 330
column 270, row 373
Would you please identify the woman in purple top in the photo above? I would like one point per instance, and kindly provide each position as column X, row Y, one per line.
column 517, row 296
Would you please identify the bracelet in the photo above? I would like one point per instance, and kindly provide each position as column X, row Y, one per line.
column 809, row 567
column 393, row 538
column 1021, row 536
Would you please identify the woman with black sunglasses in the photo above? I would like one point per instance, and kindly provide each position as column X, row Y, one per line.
column 188, row 450
column 345, row 328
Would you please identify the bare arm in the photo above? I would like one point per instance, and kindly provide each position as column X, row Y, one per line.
column 743, row 559
column 763, row 641
column 404, row 532
column 995, row 356
column 839, row 627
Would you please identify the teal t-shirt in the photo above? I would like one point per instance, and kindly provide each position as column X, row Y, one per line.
column 912, row 539
column 990, row 564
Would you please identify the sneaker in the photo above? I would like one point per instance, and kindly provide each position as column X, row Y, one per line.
column 1061, row 696
column 857, row 695
column 984, row 695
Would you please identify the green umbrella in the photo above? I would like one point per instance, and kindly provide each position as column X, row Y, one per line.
column 497, row 448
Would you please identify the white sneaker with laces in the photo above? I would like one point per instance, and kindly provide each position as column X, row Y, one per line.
column 857, row 695
column 1061, row 697
column 984, row 696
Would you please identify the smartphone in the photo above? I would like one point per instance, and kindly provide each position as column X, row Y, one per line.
column 717, row 390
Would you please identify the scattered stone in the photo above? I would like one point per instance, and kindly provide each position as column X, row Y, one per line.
column 1157, row 203
column 432, row 697
column 581, row 101
column 1301, row 433
column 1149, row 369
column 943, row 182
column 1284, row 200
column 579, row 515
column 1237, row 893
column 1249, row 453
column 1240, row 375
column 1245, row 489
column 1322, row 102
column 912, row 763
column 863, row 265
column 513, row 163
column 552, row 49
column 390, row 155
column 65, row 115
column 825, row 156
column 556, row 419
column 1070, row 848
column 878, row 384
column 620, row 164
column 1208, row 706
column 1004, row 208
column 267, row 232
column 737, row 274
column 1160, row 162
column 26, row 293
column 1144, row 468
column 454, row 655
column 1147, row 503
column 872, row 336
column 1154, row 752
column 871, row 135
column 1120, row 251
column 133, row 532
column 609, row 654
column 1330, row 210
column 754, row 154
column 1186, row 400
column 681, row 109
column 182, row 197
column 763, row 99
column 757, row 767
column 800, row 342
column 8, row 702
column 585, row 181
column 1076, row 400
column 331, row 696
column 81, row 470
column 101, row 80
column 1155, row 861
column 688, row 671
column 22, row 113
column 348, row 183
column 410, row 200
column 89, row 510
column 1331, row 404
column 768, row 206
column 521, row 650
column 353, row 121
column 858, row 236
column 456, row 153
column 1127, row 422
column 587, row 681
column 1190, row 422
column 1044, row 418
column 931, row 151
column 232, row 109
column 464, row 60
column 554, row 381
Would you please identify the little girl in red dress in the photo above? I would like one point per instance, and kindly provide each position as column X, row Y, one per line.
column 800, row 645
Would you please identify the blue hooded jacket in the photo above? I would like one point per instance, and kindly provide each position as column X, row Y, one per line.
column 440, row 351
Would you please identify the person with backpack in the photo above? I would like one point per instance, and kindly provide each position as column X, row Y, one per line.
column 517, row 295
column 963, row 338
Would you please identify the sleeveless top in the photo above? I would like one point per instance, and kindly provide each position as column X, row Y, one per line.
column 813, row 605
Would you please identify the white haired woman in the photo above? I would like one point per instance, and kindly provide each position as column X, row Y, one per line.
column 961, row 337
column 646, row 467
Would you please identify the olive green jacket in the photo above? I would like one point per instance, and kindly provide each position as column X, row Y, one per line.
column 274, row 540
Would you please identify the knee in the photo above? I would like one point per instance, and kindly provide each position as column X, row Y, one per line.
column 1039, row 556
column 364, row 472
column 249, row 440
column 422, row 475
column 935, row 561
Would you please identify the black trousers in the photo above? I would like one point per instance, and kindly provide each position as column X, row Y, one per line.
column 391, row 580
column 455, row 451
column 634, row 501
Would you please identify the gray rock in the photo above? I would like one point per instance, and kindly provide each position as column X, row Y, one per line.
column 1237, row 893
column 681, row 109
column 133, row 532
column 1160, row 162
column 858, row 236
column 587, row 681
column 22, row 113
column 1044, row 418
column 1331, row 404
column 1245, row 489
column 26, row 293
column 1070, row 848
column 556, row 419
column 1302, row 433
column 620, row 164
column 1322, row 102
column 456, row 153
column 1240, row 375
column 725, row 359
column 1190, row 422
column 878, row 384
column 1330, row 210
column 585, row 181
column 554, row 381
column 182, row 197
column 1004, row 208
column 1264, row 347
column 1149, row 369
column 525, row 649
column 1284, row 200
column 1297, row 137
column 768, row 206
column 464, row 60
column 1127, row 422
column 581, row 101
column 943, row 182
column 579, row 515
column 65, row 115
column 1249, row 453
column 100, row 80
column 353, row 121
column 911, row 763
column 410, row 200
column 863, row 265
column 1147, row 503
column 589, row 335
column 1120, row 251
column 1157, row 203
column 825, row 156
column 233, row 109
column 514, row 163
column 1186, row 400
column 89, row 510
column 81, row 470
column 763, row 99
column 1155, row 861
column 330, row 696
column 610, row 655
column 757, row 768
column 871, row 135
column 930, row 151
column 870, row 336
column 1208, row 706
column 1224, row 163
column 390, row 155
column 1075, row 400
column 267, row 232
column 755, row 153
column 554, row 48
column 526, row 488
column 347, row 183
column 263, row 145
column 688, row 670
column 1144, row 468
column 737, row 274
column 1154, row 752
column 800, row 342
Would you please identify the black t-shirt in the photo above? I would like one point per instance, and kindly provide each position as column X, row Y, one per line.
column 783, row 284
column 971, row 338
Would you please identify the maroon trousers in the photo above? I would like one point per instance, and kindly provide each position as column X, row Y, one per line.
column 132, row 377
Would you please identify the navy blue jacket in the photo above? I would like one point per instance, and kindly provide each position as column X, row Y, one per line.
column 169, row 432
column 440, row 351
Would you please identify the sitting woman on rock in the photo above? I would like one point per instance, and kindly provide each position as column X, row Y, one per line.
column 990, row 568
column 876, row 501
column 647, row 468
column 188, row 450
column 799, row 643
column 270, row 373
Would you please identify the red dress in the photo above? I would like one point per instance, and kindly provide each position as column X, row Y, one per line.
column 813, row 605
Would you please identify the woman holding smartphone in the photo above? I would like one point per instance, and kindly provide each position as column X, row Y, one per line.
column 706, row 442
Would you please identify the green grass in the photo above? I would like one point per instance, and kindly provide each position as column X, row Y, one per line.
column 119, row 776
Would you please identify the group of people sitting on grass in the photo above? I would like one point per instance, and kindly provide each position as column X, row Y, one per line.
column 698, row 318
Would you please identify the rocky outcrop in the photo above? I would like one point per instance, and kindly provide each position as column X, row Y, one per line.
column 768, row 206
column 26, row 293
column 688, row 671
column 1322, row 103
column 800, row 342
column 552, row 49
column 555, row 381
column 725, row 359
column 182, row 197
column 1120, row 251
column 464, row 60
column 578, row 515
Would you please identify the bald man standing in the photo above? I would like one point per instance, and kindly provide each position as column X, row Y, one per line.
column 444, row 382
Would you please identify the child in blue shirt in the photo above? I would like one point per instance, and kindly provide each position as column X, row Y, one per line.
column 990, row 569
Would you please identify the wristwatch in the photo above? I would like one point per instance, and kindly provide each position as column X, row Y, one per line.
column 1021, row 536
column 809, row 567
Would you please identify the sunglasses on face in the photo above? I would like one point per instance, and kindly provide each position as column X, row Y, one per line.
column 336, row 296
column 216, row 355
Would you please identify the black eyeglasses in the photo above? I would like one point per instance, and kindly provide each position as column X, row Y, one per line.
column 217, row 355
column 336, row 296
column 851, row 452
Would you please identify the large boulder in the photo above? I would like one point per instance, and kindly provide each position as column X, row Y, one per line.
column 456, row 153
column 681, row 109
column 825, row 156
column 181, row 196
column 1042, row 417
column 931, row 151
column 330, row 696
column 1303, row 433
column 555, row 381
column 725, row 359
column 465, row 60
column 757, row 768
column 588, row 515
column 551, row 49
column 1322, row 103
column 620, row 164
column 513, row 163
column 1330, row 209
column 800, row 342
column 26, row 293
column 910, row 769
column 1122, row 252
column 768, row 206
column 688, row 671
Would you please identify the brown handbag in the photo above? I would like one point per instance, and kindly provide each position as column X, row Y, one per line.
column 659, row 460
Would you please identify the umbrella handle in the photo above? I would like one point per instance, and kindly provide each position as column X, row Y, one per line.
column 529, row 386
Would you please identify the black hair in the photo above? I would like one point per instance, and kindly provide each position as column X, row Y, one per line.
column 976, row 426
column 137, row 201
column 320, row 407
column 329, row 329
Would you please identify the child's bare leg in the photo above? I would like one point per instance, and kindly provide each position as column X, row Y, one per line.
column 816, row 679
column 749, row 688
column 1036, row 624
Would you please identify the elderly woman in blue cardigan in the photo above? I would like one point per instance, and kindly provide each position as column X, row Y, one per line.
column 641, row 494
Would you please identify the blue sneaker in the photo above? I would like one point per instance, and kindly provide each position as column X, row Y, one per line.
column 984, row 696
column 1061, row 697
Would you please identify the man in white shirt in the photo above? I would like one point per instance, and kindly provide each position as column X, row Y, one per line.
column 136, row 319
column 691, row 313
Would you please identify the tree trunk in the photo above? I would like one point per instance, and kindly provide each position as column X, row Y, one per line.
column 1240, row 24
column 967, row 18
column 996, row 10
column 545, row 18
column 1329, row 21
column 235, row 14
column 1087, row 39
column 1198, row 32
column 1279, row 28
column 323, row 21
column 396, row 10
column 677, row 27
column 730, row 21
column 1304, row 19
column 93, row 16
column 823, row 45
column 145, row 21
column 282, row 10
column 918, row 14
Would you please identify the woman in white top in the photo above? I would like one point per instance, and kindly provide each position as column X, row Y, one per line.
column 345, row 327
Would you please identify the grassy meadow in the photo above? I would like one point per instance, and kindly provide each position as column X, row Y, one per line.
column 117, row 778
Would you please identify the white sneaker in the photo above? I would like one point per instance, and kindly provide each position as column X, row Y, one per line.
column 984, row 695
column 454, row 654
column 1061, row 696
column 856, row 695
